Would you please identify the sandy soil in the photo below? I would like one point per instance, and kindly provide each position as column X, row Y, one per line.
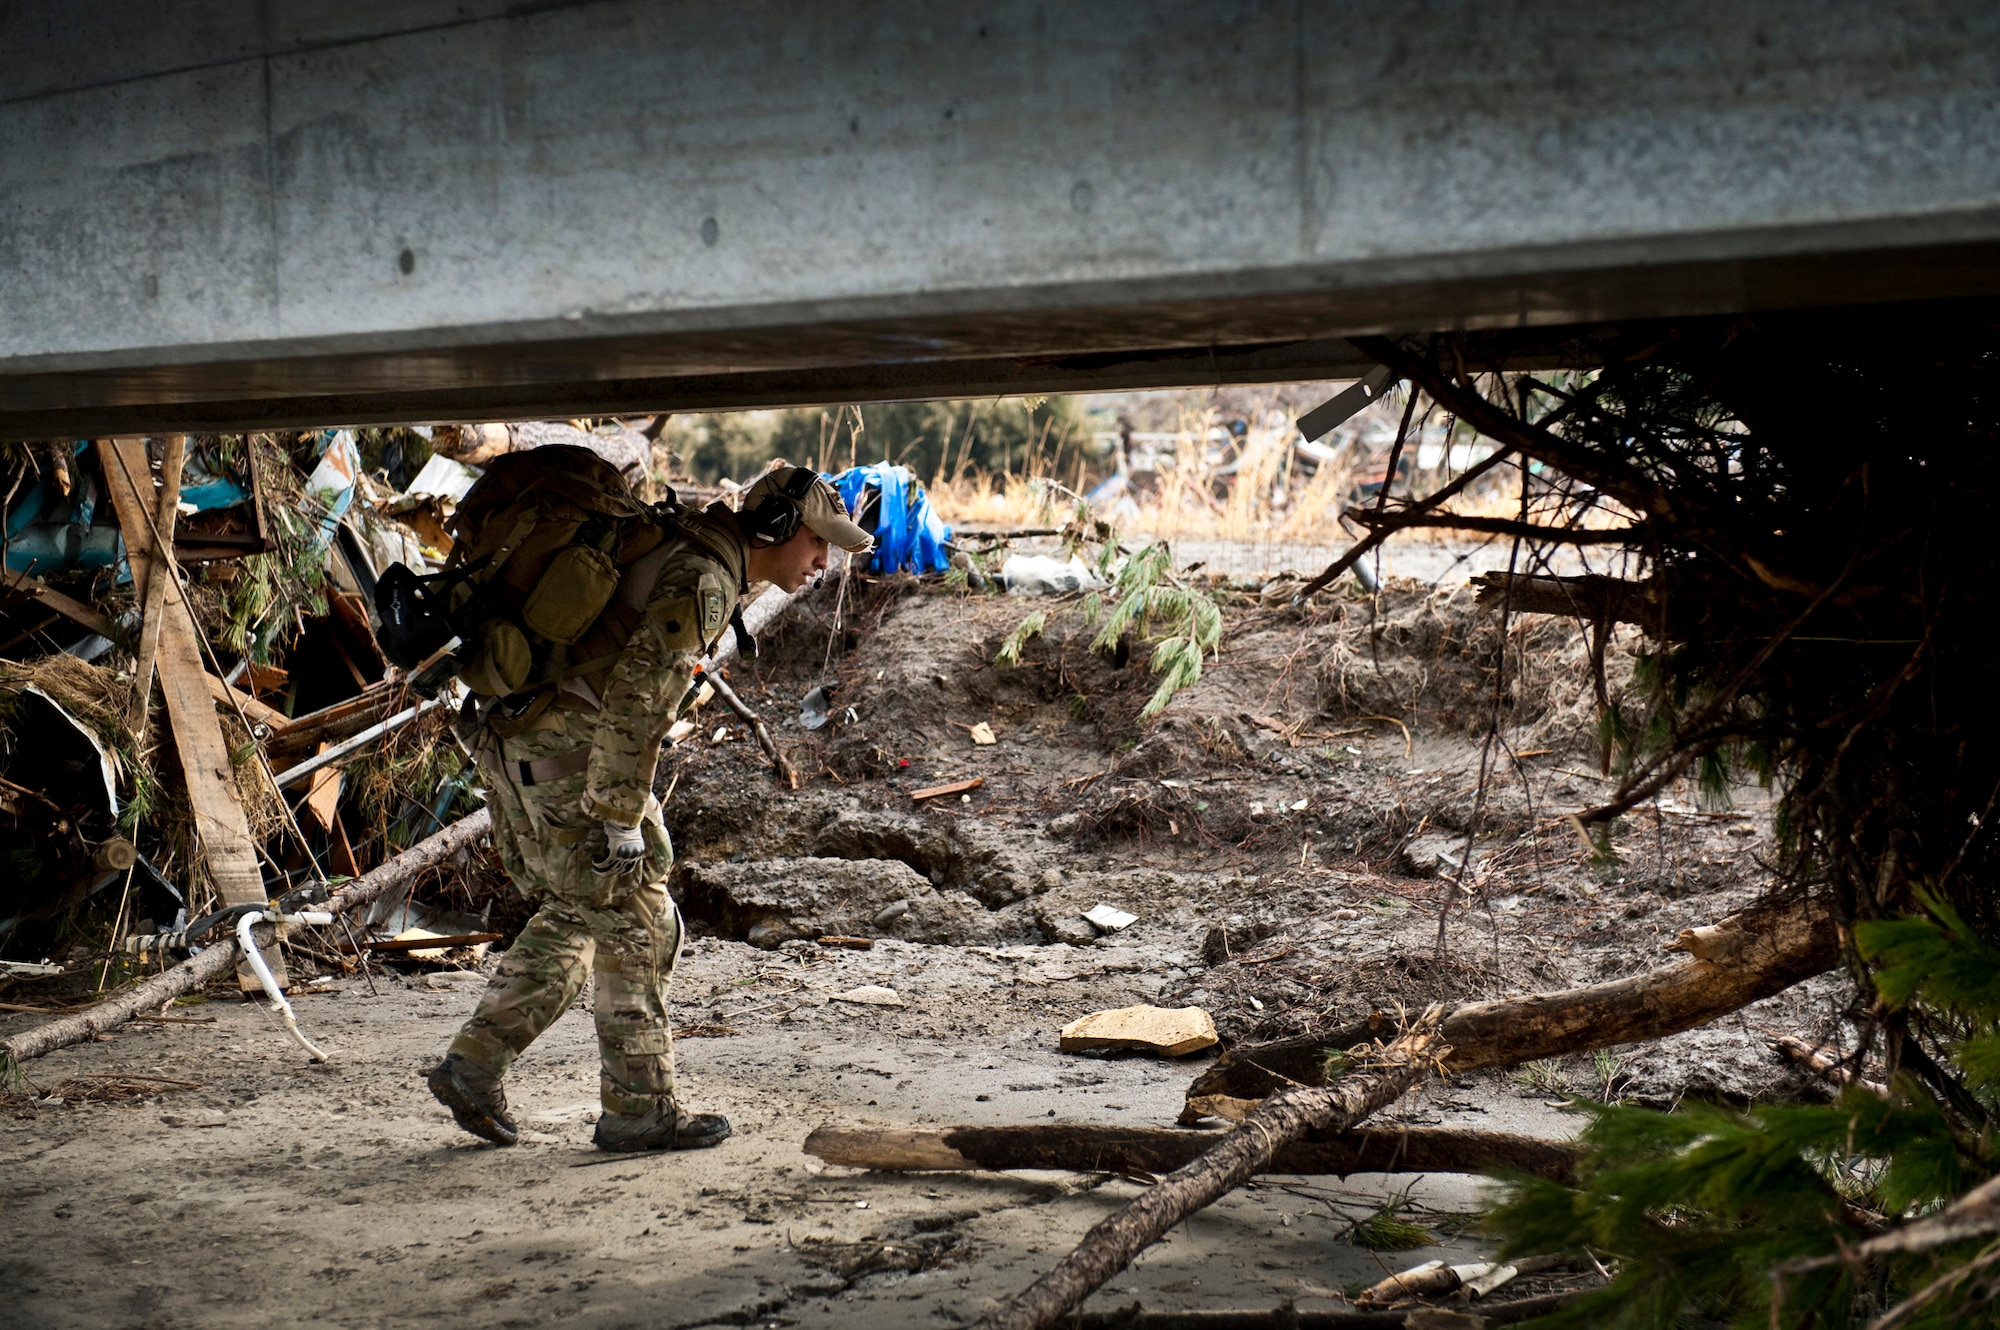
column 1279, row 840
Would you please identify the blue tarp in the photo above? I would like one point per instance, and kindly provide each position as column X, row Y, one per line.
column 49, row 532
column 908, row 535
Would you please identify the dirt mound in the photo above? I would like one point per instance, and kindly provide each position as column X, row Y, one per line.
column 774, row 901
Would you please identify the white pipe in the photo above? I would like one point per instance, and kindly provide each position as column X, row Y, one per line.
column 243, row 927
column 284, row 779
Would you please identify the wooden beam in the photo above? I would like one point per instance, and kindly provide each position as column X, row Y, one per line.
column 1110, row 1149
column 258, row 712
column 159, row 538
column 128, row 476
column 222, row 828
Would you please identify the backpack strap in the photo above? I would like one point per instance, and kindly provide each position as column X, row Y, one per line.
column 635, row 588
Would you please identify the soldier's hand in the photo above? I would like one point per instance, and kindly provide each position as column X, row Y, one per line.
column 624, row 847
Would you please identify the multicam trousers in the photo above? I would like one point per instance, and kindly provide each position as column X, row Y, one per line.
column 626, row 924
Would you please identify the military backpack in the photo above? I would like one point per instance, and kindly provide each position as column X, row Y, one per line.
column 540, row 544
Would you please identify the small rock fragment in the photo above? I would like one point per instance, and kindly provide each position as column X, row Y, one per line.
column 1169, row 1031
column 982, row 734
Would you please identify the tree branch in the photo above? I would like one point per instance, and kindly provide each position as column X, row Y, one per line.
column 1622, row 483
column 1743, row 958
column 1110, row 1246
column 1496, row 526
column 1361, row 548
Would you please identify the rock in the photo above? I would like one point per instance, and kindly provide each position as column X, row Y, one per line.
column 770, row 902
column 1436, row 852
column 871, row 995
column 976, row 860
column 1170, row 1032
column 950, row 916
column 1066, row 926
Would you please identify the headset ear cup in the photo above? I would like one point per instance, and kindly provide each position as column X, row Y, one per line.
column 775, row 520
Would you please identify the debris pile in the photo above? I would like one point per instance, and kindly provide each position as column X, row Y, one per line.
column 229, row 732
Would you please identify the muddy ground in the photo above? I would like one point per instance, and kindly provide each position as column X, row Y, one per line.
column 1280, row 833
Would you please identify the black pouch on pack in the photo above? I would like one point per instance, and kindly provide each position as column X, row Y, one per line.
column 412, row 626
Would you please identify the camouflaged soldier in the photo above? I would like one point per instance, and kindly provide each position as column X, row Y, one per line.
column 579, row 829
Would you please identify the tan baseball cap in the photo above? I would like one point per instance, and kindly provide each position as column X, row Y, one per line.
column 821, row 509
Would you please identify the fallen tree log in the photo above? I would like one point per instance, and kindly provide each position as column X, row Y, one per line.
column 1730, row 964
column 1593, row 598
column 1162, row 1149
column 1283, row 1118
column 219, row 958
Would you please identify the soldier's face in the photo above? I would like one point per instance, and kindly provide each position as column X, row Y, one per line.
column 791, row 565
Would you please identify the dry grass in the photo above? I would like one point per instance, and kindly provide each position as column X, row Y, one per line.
column 154, row 811
column 1198, row 483
column 112, row 1088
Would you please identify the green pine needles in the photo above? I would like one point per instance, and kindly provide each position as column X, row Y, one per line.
column 1148, row 600
column 1748, row 1217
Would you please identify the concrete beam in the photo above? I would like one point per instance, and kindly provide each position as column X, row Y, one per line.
column 258, row 212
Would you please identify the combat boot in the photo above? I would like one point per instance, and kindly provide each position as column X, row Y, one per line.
column 474, row 1096
column 665, row 1128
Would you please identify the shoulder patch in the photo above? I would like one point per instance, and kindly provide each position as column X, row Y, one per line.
column 681, row 619
column 714, row 613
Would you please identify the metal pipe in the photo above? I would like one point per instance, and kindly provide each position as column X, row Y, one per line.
column 256, row 958
column 285, row 779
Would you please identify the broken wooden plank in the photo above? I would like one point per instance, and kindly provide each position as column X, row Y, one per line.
column 302, row 735
column 74, row 610
column 166, row 508
column 222, row 829
column 939, row 791
column 335, row 754
column 1110, row 1149
column 257, row 713
column 128, row 477
column 323, row 797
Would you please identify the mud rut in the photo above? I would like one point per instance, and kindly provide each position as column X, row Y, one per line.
column 1279, row 848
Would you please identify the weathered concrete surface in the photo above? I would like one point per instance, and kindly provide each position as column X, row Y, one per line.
column 267, row 210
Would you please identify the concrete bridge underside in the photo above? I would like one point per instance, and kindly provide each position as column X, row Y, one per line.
column 231, row 213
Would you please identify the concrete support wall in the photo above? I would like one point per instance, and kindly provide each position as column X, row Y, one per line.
column 260, row 210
